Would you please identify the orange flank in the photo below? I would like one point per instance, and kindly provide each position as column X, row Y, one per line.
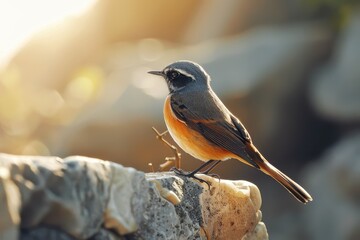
column 192, row 141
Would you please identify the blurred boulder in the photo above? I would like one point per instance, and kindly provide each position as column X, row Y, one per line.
column 263, row 79
column 335, row 91
column 86, row 198
column 233, row 17
column 334, row 181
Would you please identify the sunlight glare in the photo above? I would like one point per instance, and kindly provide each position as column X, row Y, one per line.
column 151, row 85
column 21, row 19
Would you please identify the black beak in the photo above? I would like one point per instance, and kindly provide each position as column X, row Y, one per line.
column 159, row 73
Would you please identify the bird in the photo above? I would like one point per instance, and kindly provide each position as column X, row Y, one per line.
column 203, row 126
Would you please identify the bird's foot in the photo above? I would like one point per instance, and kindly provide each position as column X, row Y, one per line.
column 183, row 173
column 214, row 175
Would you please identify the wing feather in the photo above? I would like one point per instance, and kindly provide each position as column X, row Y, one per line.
column 214, row 126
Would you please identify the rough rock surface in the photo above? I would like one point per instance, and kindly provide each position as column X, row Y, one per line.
column 9, row 207
column 86, row 198
column 335, row 182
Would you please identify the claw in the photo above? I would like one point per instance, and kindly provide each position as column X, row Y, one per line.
column 189, row 175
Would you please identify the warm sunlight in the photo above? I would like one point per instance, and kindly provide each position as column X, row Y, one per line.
column 20, row 19
column 100, row 98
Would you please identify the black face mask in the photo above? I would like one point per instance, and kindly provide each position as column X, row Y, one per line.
column 177, row 80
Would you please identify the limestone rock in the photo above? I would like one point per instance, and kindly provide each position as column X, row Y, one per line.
column 335, row 184
column 86, row 198
column 224, row 205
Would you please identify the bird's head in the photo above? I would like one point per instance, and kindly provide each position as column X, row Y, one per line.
column 184, row 75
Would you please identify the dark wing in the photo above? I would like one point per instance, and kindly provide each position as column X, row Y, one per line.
column 218, row 126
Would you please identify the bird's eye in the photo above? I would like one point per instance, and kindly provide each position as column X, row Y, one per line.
column 173, row 74
column 177, row 79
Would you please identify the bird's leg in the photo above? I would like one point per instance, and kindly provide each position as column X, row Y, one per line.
column 189, row 174
column 211, row 168
column 214, row 175
column 192, row 174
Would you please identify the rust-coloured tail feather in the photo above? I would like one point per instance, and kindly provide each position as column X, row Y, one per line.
column 295, row 189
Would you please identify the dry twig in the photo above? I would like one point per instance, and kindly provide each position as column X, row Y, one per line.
column 168, row 160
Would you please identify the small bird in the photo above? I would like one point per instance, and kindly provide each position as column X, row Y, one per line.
column 203, row 127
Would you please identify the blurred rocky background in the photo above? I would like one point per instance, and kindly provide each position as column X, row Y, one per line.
column 73, row 81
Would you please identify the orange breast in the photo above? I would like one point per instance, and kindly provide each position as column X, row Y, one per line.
column 190, row 140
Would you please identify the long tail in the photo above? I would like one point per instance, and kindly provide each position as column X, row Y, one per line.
column 295, row 189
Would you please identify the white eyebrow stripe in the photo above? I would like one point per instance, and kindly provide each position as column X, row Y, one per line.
column 202, row 70
column 185, row 73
